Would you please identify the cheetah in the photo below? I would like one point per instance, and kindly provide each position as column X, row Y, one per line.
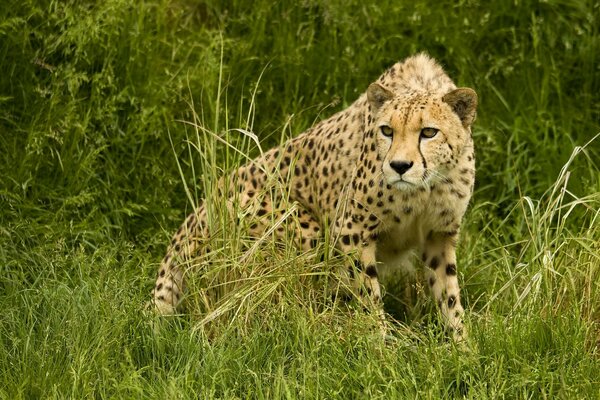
column 390, row 177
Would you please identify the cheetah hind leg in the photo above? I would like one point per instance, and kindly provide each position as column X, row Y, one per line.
column 185, row 244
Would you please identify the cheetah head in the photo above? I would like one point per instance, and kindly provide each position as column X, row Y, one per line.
column 420, row 137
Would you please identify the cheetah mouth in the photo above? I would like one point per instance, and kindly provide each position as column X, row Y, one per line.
column 402, row 184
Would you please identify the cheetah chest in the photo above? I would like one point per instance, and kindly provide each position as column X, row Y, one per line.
column 438, row 210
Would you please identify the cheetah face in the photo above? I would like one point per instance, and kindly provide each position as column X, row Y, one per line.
column 421, row 137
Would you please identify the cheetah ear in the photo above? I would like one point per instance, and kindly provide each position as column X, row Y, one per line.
column 463, row 102
column 377, row 95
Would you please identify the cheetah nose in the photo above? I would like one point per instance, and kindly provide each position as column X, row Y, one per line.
column 401, row 166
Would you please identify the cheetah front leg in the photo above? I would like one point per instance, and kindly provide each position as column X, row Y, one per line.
column 440, row 256
column 363, row 274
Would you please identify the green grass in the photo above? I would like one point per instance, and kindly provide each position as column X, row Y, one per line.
column 101, row 158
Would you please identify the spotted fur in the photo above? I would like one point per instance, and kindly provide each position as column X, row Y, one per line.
column 390, row 175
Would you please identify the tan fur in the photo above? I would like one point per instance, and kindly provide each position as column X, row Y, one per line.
column 383, row 197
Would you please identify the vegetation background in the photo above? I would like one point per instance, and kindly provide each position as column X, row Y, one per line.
column 95, row 158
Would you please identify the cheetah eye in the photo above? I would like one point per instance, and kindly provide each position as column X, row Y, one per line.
column 387, row 131
column 428, row 133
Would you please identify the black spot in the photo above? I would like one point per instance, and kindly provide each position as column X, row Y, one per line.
column 355, row 238
column 371, row 271
column 451, row 269
column 431, row 281
column 434, row 263
column 451, row 301
column 261, row 212
column 304, row 225
column 358, row 265
column 159, row 286
column 458, row 194
column 346, row 240
column 162, row 273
